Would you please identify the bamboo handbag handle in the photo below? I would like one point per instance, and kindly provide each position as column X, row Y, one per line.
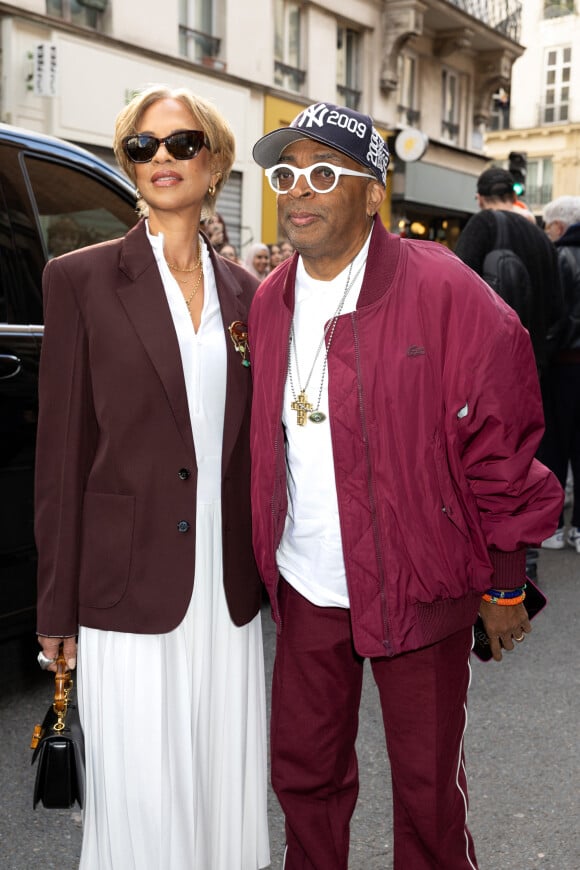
column 62, row 684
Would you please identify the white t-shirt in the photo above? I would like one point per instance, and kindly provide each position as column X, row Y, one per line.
column 310, row 553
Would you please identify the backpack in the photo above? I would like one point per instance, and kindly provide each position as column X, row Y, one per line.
column 506, row 273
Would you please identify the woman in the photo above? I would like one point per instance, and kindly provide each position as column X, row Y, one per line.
column 275, row 256
column 230, row 253
column 142, row 463
column 215, row 229
column 257, row 260
column 286, row 250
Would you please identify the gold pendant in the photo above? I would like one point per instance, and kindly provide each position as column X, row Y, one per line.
column 301, row 405
column 239, row 335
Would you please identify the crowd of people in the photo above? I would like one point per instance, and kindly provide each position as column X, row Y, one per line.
column 560, row 448
column 210, row 419
column 549, row 307
column 259, row 258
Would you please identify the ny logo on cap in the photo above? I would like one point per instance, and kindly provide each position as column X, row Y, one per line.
column 323, row 116
column 311, row 115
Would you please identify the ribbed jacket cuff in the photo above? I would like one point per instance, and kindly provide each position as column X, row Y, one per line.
column 509, row 569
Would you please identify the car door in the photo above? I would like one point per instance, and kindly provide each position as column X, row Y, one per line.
column 48, row 205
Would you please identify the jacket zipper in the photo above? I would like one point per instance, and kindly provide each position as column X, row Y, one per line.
column 372, row 500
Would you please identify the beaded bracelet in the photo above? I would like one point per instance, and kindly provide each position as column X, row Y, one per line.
column 506, row 602
column 507, row 593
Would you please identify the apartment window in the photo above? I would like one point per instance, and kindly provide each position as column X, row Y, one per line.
column 539, row 182
column 556, row 8
column 499, row 118
column 557, row 85
column 85, row 13
column 347, row 66
column 450, row 107
column 287, row 46
column 408, row 113
column 197, row 40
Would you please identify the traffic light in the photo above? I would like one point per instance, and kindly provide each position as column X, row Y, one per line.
column 518, row 167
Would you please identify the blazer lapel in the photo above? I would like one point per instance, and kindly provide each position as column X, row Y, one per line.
column 144, row 300
column 238, row 375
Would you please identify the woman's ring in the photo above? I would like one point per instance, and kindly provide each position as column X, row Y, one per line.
column 44, row 661
column 520, row 638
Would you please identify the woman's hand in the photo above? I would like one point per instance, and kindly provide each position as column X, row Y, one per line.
column 50, row 647
column 503, row 625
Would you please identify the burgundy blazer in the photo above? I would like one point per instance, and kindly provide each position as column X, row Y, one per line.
column 115, row 465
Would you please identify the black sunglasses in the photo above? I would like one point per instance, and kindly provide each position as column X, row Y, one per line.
column 184, row 145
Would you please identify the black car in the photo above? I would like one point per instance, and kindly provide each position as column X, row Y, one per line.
column 54, row 197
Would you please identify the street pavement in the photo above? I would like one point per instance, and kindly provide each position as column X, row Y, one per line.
column 522, row 749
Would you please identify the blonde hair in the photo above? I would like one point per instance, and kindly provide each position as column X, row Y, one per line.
column 217, row 131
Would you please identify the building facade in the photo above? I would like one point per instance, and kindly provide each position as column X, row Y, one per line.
column 541, row 116
column 426, row 70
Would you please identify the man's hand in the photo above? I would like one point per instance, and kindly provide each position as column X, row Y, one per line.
column 503, row 625
column 50, row 647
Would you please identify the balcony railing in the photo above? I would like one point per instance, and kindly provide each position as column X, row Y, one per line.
column 504, row 16
column 350, row 96
column 196, row 45
column 450, row 131
column 408, row 116
column 289, row 77
column 538, row 195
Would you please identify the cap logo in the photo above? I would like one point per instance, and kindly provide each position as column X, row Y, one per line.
column 377, row 153
column 312, row 115
column 320, row 115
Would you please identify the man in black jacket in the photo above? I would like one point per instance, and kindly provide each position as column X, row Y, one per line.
column 561, row 387
column 495, row 192
column 541, row 311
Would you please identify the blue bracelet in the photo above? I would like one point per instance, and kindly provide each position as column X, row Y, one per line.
column 507, row 593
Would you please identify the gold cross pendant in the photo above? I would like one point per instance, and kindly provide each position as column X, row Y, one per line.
column 301, row 405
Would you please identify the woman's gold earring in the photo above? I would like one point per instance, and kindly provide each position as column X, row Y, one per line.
column 211, row 190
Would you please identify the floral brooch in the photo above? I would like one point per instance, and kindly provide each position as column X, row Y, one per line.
column 239, row 335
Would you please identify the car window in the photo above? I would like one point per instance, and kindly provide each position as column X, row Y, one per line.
column 74, row 208
column 21, row 254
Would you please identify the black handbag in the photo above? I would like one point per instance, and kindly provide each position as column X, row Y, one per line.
column 59, row 748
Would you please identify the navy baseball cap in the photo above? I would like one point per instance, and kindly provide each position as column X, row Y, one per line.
column 337, row 126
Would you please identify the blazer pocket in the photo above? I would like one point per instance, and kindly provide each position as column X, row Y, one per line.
column 107, row 544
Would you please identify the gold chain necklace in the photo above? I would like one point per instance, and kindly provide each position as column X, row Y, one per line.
column 304, row 409
column 197, row 265
column 195, row 289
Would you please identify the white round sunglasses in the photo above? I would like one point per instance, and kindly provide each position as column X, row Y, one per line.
column 321, row 177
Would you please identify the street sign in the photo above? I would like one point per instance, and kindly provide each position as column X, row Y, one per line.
column 45, row 69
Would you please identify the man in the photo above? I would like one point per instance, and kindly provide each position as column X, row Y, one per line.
column 561, row 382
column 394, row 482
column 495, row 193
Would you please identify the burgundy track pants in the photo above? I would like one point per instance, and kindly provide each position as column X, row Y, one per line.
column 315, row 702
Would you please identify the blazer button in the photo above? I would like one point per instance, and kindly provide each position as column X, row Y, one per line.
column 183, row 526
column 184, row 473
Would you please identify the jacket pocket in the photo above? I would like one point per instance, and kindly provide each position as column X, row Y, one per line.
column 107, row 542
column 450, row 506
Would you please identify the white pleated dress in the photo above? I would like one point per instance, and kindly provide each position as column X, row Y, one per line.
column 175, row 724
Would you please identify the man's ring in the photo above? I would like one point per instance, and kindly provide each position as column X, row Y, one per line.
column 44, row 661
column 520, row 638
